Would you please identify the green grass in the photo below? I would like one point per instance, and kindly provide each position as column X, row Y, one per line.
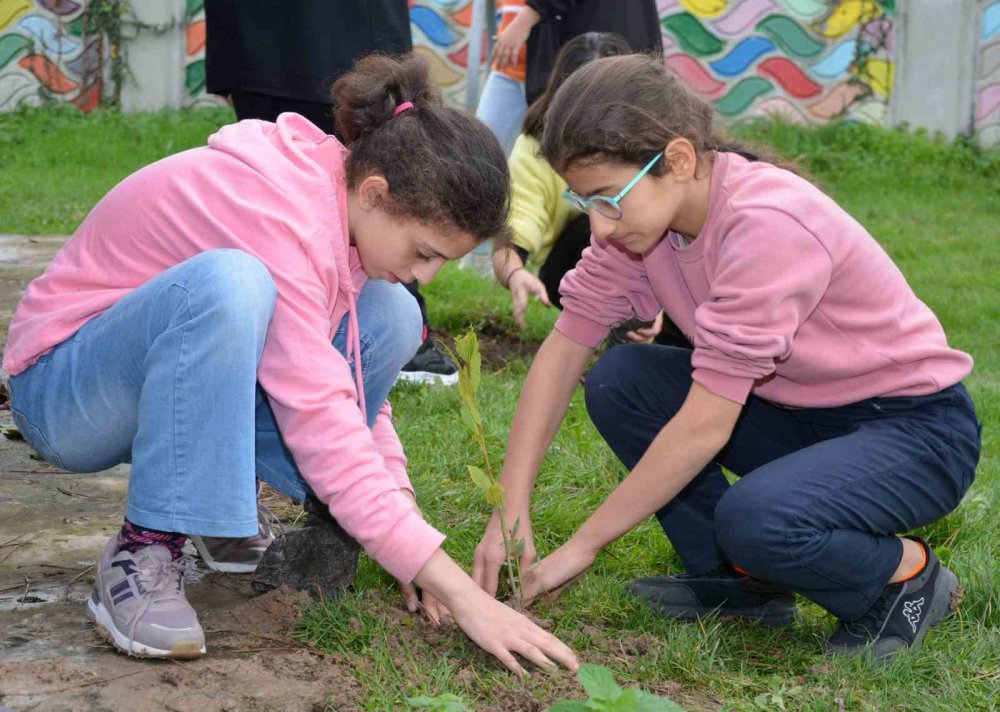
column 935, row 207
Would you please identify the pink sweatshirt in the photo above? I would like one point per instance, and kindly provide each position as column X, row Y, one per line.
column 278, row 192
column 783, row 294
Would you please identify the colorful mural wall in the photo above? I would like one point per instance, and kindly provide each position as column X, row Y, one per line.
column 987, row 84
column 807, row 61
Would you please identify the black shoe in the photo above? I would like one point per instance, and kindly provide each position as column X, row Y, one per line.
column 721, row 591
column 430, row 366
column 902, row 614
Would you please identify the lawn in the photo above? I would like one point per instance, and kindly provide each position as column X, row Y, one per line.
column 936, row 209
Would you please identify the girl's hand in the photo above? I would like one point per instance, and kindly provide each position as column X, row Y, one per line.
column 502, row 631
column 491, row 625
column 646, row 336
column 523, row 284
column 511, row 40
column 555, row 572
column 489, row 556
column 434, row 609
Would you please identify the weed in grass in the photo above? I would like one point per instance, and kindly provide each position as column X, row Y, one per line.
column 442, row 703
column 607, row 695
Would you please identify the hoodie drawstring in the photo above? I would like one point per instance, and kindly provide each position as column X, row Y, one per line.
column 354, row 351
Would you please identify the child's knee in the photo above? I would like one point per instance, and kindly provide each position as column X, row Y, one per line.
column 234, row 281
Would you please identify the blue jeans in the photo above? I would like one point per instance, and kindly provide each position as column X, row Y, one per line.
column 823, row 491
column 167, row 379
column 502, row 107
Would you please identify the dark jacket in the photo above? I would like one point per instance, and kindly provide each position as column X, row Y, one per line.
column 635, row 20
column 297, row 48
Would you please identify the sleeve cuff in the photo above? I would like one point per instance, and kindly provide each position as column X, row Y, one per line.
column 734, row 388
column 412, row 543
column 581, row 330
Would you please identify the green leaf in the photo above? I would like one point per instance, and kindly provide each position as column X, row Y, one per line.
column 469, row 420
column 518, row 547
column 480, row 480
column 495, row 494
column 625, row 702
column 646, row 702
column 598, row 682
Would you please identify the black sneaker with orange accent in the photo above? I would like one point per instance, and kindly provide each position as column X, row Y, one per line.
column 902, row 614
column 722, row 591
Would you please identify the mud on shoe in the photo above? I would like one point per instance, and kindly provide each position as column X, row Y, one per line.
column 722, row 591
column 138, row 604
column 239, row 555
column 904, row 611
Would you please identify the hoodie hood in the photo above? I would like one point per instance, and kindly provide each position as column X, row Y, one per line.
column 307, row 165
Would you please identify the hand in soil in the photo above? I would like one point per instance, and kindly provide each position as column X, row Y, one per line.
column 555, row 572
column 502, row 631
column 494, row 627
column 489, row 556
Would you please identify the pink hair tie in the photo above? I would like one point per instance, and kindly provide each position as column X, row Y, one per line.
column 401, row 108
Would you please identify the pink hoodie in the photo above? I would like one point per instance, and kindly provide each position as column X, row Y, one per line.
column 783, row 294
column 278, row 192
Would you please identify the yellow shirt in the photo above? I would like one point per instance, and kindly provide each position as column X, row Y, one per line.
column 538, row 211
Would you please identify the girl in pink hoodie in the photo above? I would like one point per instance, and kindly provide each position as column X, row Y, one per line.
column 817, row 376
column 235, row 310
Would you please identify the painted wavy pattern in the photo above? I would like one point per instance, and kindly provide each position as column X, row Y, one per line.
column 461, row 57
column 789, row 77
column 88, row 62
column 836, row 102
column 743, row 17
column 805, row 10
column 11, row 46
column 195, row 37
column 742, row 56
column 991, row 22
column 11, row 10
column 48, row 73
column 705, row 8
column 695, row 76
column 60, row 8
column 48, row 35
column 987, row 103
column 780, row 108
column 847, row 15
column 789, row 35
column 691, row 35
column 432, row 25
column 837, row 62
column 742, row 95
column 15, row 87
column 989, row 60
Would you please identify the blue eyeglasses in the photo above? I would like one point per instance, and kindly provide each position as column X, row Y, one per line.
column 608, row 207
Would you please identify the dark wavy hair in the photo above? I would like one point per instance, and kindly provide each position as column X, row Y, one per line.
column 627, row 109
column 443, row 166
column 573, row 55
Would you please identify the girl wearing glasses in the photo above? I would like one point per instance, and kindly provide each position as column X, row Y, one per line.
column 818, row 377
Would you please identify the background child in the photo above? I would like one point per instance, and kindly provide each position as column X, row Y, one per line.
column 817, row 375
column 545, row 229
column 235, row 310
column 502, row 103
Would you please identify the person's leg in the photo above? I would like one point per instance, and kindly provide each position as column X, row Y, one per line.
column 825, row 518
column 502, row 107
column 390, row 333
column 165, row 377
column 631, row 394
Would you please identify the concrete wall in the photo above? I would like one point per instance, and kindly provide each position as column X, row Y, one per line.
column 791, row 58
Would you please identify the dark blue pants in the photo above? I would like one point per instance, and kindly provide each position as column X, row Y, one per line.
column 822, row 492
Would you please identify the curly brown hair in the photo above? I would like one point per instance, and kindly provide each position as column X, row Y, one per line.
column 443, row 166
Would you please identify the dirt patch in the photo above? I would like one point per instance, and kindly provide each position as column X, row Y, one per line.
column 500, row 342
column 253, row 664
column 415, row 641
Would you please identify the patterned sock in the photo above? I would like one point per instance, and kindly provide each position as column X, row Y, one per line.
column 132, row 537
